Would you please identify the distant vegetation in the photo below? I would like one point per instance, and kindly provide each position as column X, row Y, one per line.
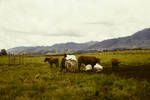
column 3, row 52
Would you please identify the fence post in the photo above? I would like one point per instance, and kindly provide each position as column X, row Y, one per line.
column 19, row 60
column 23, row 59
column 8, row 59
column 15, row 59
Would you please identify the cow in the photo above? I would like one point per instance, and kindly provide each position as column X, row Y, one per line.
column 69, row 63
column 88, row 60
column 88, row 68
column 71, row 57
column 52, row 61
column 97, row 68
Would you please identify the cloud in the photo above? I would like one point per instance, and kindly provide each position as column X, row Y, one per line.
column 104, row 23
column 66, row 34
column 20, row 32
column 44, row 22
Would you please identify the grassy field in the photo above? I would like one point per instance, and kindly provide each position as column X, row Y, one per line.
column 35, row 80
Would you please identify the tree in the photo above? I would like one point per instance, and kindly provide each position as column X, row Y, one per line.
column 3, row 52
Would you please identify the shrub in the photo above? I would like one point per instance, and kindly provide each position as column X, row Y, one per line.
column 3, row 52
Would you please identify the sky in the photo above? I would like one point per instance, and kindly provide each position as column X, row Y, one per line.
column 46, row 22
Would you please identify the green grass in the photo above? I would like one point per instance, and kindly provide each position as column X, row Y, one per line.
column 127, row 58
column 20, row 82
column 35, row 80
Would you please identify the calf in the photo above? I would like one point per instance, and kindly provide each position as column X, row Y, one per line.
column 52, row 61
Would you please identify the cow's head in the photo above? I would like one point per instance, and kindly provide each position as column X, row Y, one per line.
column 65, row 55
column 46, row 59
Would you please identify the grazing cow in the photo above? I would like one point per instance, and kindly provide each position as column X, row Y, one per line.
column 52, row 61
column 71, row 65
column 69, row 62
column 87, row 60
column 71, row 57
column 97, row 67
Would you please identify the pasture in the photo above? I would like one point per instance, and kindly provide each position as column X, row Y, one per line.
column 35, row 80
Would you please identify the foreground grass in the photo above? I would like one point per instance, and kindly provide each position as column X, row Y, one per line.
column 35, row 80
column 39, row 82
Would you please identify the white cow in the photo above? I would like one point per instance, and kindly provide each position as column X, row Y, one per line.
column 71, row 57
column 71, row 63
column 98, row 67
column 88, row 67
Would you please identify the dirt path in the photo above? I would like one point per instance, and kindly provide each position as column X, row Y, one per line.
column 137, row 72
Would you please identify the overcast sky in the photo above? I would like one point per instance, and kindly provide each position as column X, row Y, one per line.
column 45, row 22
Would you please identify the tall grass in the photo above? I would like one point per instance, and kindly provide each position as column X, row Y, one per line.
column 35, row 80
column 21, row 83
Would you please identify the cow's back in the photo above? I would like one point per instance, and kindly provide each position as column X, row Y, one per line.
column 87, row 60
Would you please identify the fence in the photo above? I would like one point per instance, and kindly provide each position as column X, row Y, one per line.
column 15, row 59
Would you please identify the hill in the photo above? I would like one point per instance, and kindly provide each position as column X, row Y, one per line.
column 56, row 48
column 140, row 39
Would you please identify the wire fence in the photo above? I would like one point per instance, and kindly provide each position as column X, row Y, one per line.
column 16, row 59
column 12, row 59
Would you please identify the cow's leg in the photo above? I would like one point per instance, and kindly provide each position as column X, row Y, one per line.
column 92, row 67
column 49, row 64
column 79, row 65
column 61, row 68
column 57, row 64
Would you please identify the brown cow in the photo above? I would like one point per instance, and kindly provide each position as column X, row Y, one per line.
column 87, row 60
column 52, row 61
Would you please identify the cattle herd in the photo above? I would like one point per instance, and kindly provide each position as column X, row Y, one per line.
column 72, row 64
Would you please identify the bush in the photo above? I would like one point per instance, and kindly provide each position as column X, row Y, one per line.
column 3, row 52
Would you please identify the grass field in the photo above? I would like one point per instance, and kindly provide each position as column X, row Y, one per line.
column 35, row 80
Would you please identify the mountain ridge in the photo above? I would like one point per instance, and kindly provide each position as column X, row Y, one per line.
column 140, row 39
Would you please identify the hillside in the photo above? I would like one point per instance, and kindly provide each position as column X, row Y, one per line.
column 59, row 48
column 140, row 39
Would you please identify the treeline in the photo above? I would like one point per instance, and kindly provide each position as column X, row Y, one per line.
column 3, row 52
column 124, row 49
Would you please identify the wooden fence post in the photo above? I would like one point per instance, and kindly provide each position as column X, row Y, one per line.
column 16, row 59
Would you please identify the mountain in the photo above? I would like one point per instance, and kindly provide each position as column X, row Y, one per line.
column 59, row 48
column 140, row 39
column 30, row 50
